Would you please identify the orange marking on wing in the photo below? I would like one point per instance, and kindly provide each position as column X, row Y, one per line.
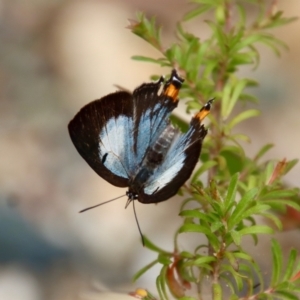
column 172, row 91
column 204, row 111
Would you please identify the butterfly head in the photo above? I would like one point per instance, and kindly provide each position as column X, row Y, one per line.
column 131, row 195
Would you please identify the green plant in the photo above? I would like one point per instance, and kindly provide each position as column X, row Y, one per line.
column 238, row 187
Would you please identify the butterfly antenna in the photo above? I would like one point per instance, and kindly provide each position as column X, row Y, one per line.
column 91, row 207
column 138, row 225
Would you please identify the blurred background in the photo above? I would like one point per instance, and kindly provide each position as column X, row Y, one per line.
column 56, row 56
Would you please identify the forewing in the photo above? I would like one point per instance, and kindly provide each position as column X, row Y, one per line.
column 102, row 133
column 151, row 113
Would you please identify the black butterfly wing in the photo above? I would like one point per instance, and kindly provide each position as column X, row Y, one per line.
column 113, row 134
column 177, row 167
column 102, row 134
column 151, row 113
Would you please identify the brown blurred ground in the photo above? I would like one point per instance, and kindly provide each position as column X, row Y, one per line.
column 55, row 56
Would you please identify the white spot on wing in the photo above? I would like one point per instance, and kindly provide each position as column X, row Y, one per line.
column 162, row 178
column 117, row 141
column 172, row 164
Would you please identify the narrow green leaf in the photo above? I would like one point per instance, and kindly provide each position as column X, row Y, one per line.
column 226, row 98
column 164, row 259
column 148, row 59
column 271, row 44
column 259, row 275
column 196, row 12
column 193, row 213
column 236, row 237
column 147, row 30
column 231, row 192
column 242, row 137
column 258, row 209
column 209, row 68
column 241, row 207
column 268, row 171
column 283, row 202
column 232, row 259
column 276, row 204
column 274, row 219
column 201, row 229
column 219, row 35
column 203, row 260
column 218, row 207
column 174, row 53
column 281, row 22
column 236, row 276
column 253, row 182
column 273, row 41
column 250, row 113
column 161, row 284
column 278, row 194
column 216, row 225
column 290, row 165
column 138, row 274
column 241, row 255
column 247, row 41
column 283, row 285
column 185, row 254
column 277, row 263
column 189, row 57
column 293, row 204
column 151, row 246
column 256, row 229
column 263, row 151
column 235, row 90
column 244, row 268
column 243, row 58
column 290, row 265
column 229, row 284
column 204, row 48
column 284, row 294
column 248, row 98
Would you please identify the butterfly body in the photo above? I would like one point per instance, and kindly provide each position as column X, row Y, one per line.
column 129, row 141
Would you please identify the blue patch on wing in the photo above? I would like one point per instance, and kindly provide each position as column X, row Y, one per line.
column 171, row 166
column 150, row 126
column 116, row 144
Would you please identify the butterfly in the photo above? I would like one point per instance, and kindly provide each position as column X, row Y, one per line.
column 129, row 141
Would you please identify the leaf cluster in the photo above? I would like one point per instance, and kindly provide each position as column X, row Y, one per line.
column 238, row 188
